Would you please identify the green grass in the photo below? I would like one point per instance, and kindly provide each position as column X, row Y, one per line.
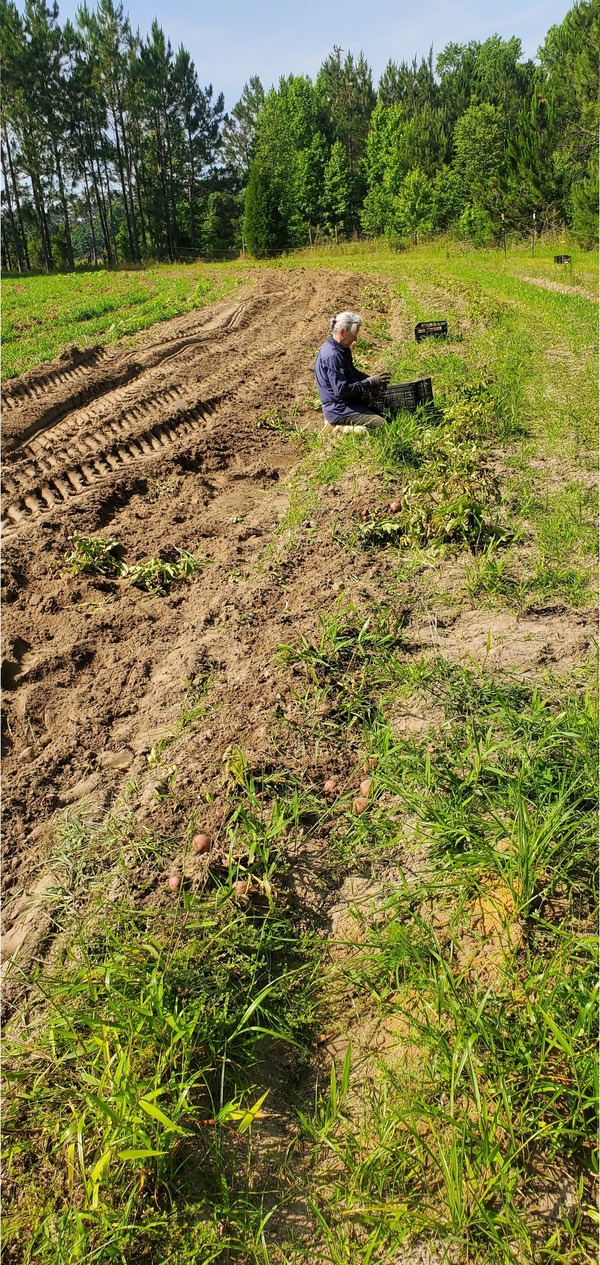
column 136, row 1087
column 490, row 1084
column 42, row 314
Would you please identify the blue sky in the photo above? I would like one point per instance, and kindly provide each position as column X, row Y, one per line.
column 234, row 39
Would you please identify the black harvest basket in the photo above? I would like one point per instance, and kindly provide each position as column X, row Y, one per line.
column 562, row 259
column 431, row 329
column 408, row 395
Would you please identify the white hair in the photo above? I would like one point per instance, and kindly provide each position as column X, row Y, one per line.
column 350, row 321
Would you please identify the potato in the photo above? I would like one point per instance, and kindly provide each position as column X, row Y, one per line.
column 360, row 804
column 241, row 887
column 330, row 785
column 174, row 882
column 201, row 844
column 395, row 507
column 365, row 786
column 372, row 762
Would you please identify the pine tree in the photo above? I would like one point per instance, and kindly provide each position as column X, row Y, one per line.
column 239, row 128
column 265, row 228
column 337, row 202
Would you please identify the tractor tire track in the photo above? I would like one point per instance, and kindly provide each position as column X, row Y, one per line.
column 58, row 483
column 92, row 415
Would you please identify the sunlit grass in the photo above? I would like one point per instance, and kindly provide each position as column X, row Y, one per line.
column 42, row 314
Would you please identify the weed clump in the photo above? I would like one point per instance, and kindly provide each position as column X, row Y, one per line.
column 94, row 555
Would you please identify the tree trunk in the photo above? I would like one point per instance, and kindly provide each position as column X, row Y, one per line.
column 127, row 160
column 191, row 198
column 38, row 199
column 171, row 190
column 99, row 195
column 6, row 255
column 160, row 162
column 63, row 203
column 132, row 252
column 110, row 212
column 13, row 227
column 17, row 201
column 142, row 185
column 89, row 211
column 138, row 192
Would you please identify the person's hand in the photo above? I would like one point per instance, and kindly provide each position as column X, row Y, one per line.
column 380, row 381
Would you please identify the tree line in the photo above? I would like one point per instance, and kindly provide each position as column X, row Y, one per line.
column 113, row 151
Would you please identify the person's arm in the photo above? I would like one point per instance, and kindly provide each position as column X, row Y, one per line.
column 341, row 388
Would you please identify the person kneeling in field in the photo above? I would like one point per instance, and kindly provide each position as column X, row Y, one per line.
column 344, row 391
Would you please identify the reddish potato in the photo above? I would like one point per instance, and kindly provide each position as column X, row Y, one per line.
column 330, row 785
column 241, row 887
column 365, row 786
column 360, row 804
column 174, row 882
column 395, row 507
column 372, row 762
column 201, row 843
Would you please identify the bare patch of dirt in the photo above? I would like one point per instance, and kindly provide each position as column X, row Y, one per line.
column 500, row 640
column 560, row 286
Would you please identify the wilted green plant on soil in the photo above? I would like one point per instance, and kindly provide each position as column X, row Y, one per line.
column 95, row 554
column 156, row 574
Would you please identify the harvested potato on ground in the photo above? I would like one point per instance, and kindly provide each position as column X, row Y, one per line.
column 365, row 786
column 360, row 804
column 174, row 882
column 201, row 843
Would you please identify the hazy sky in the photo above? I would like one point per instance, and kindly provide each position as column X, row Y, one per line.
column 230, row 40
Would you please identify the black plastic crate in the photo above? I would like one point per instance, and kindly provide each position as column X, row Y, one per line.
column 408, row 395
column 431, row 329
column 562, row 259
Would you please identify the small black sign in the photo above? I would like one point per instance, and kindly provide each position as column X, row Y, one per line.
column 562, row 259
column 431, row 329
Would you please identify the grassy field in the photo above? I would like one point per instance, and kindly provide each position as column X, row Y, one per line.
column 44, row 313
column 145, row 1066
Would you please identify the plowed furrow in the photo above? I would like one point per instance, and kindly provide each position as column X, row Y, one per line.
column 63, row 438
column 57, row 411
column 37, row 386
column 26, row 501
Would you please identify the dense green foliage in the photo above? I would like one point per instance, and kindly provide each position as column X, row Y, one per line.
column 111, row 150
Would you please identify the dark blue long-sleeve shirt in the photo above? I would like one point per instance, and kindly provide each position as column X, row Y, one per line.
column 339, row 382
